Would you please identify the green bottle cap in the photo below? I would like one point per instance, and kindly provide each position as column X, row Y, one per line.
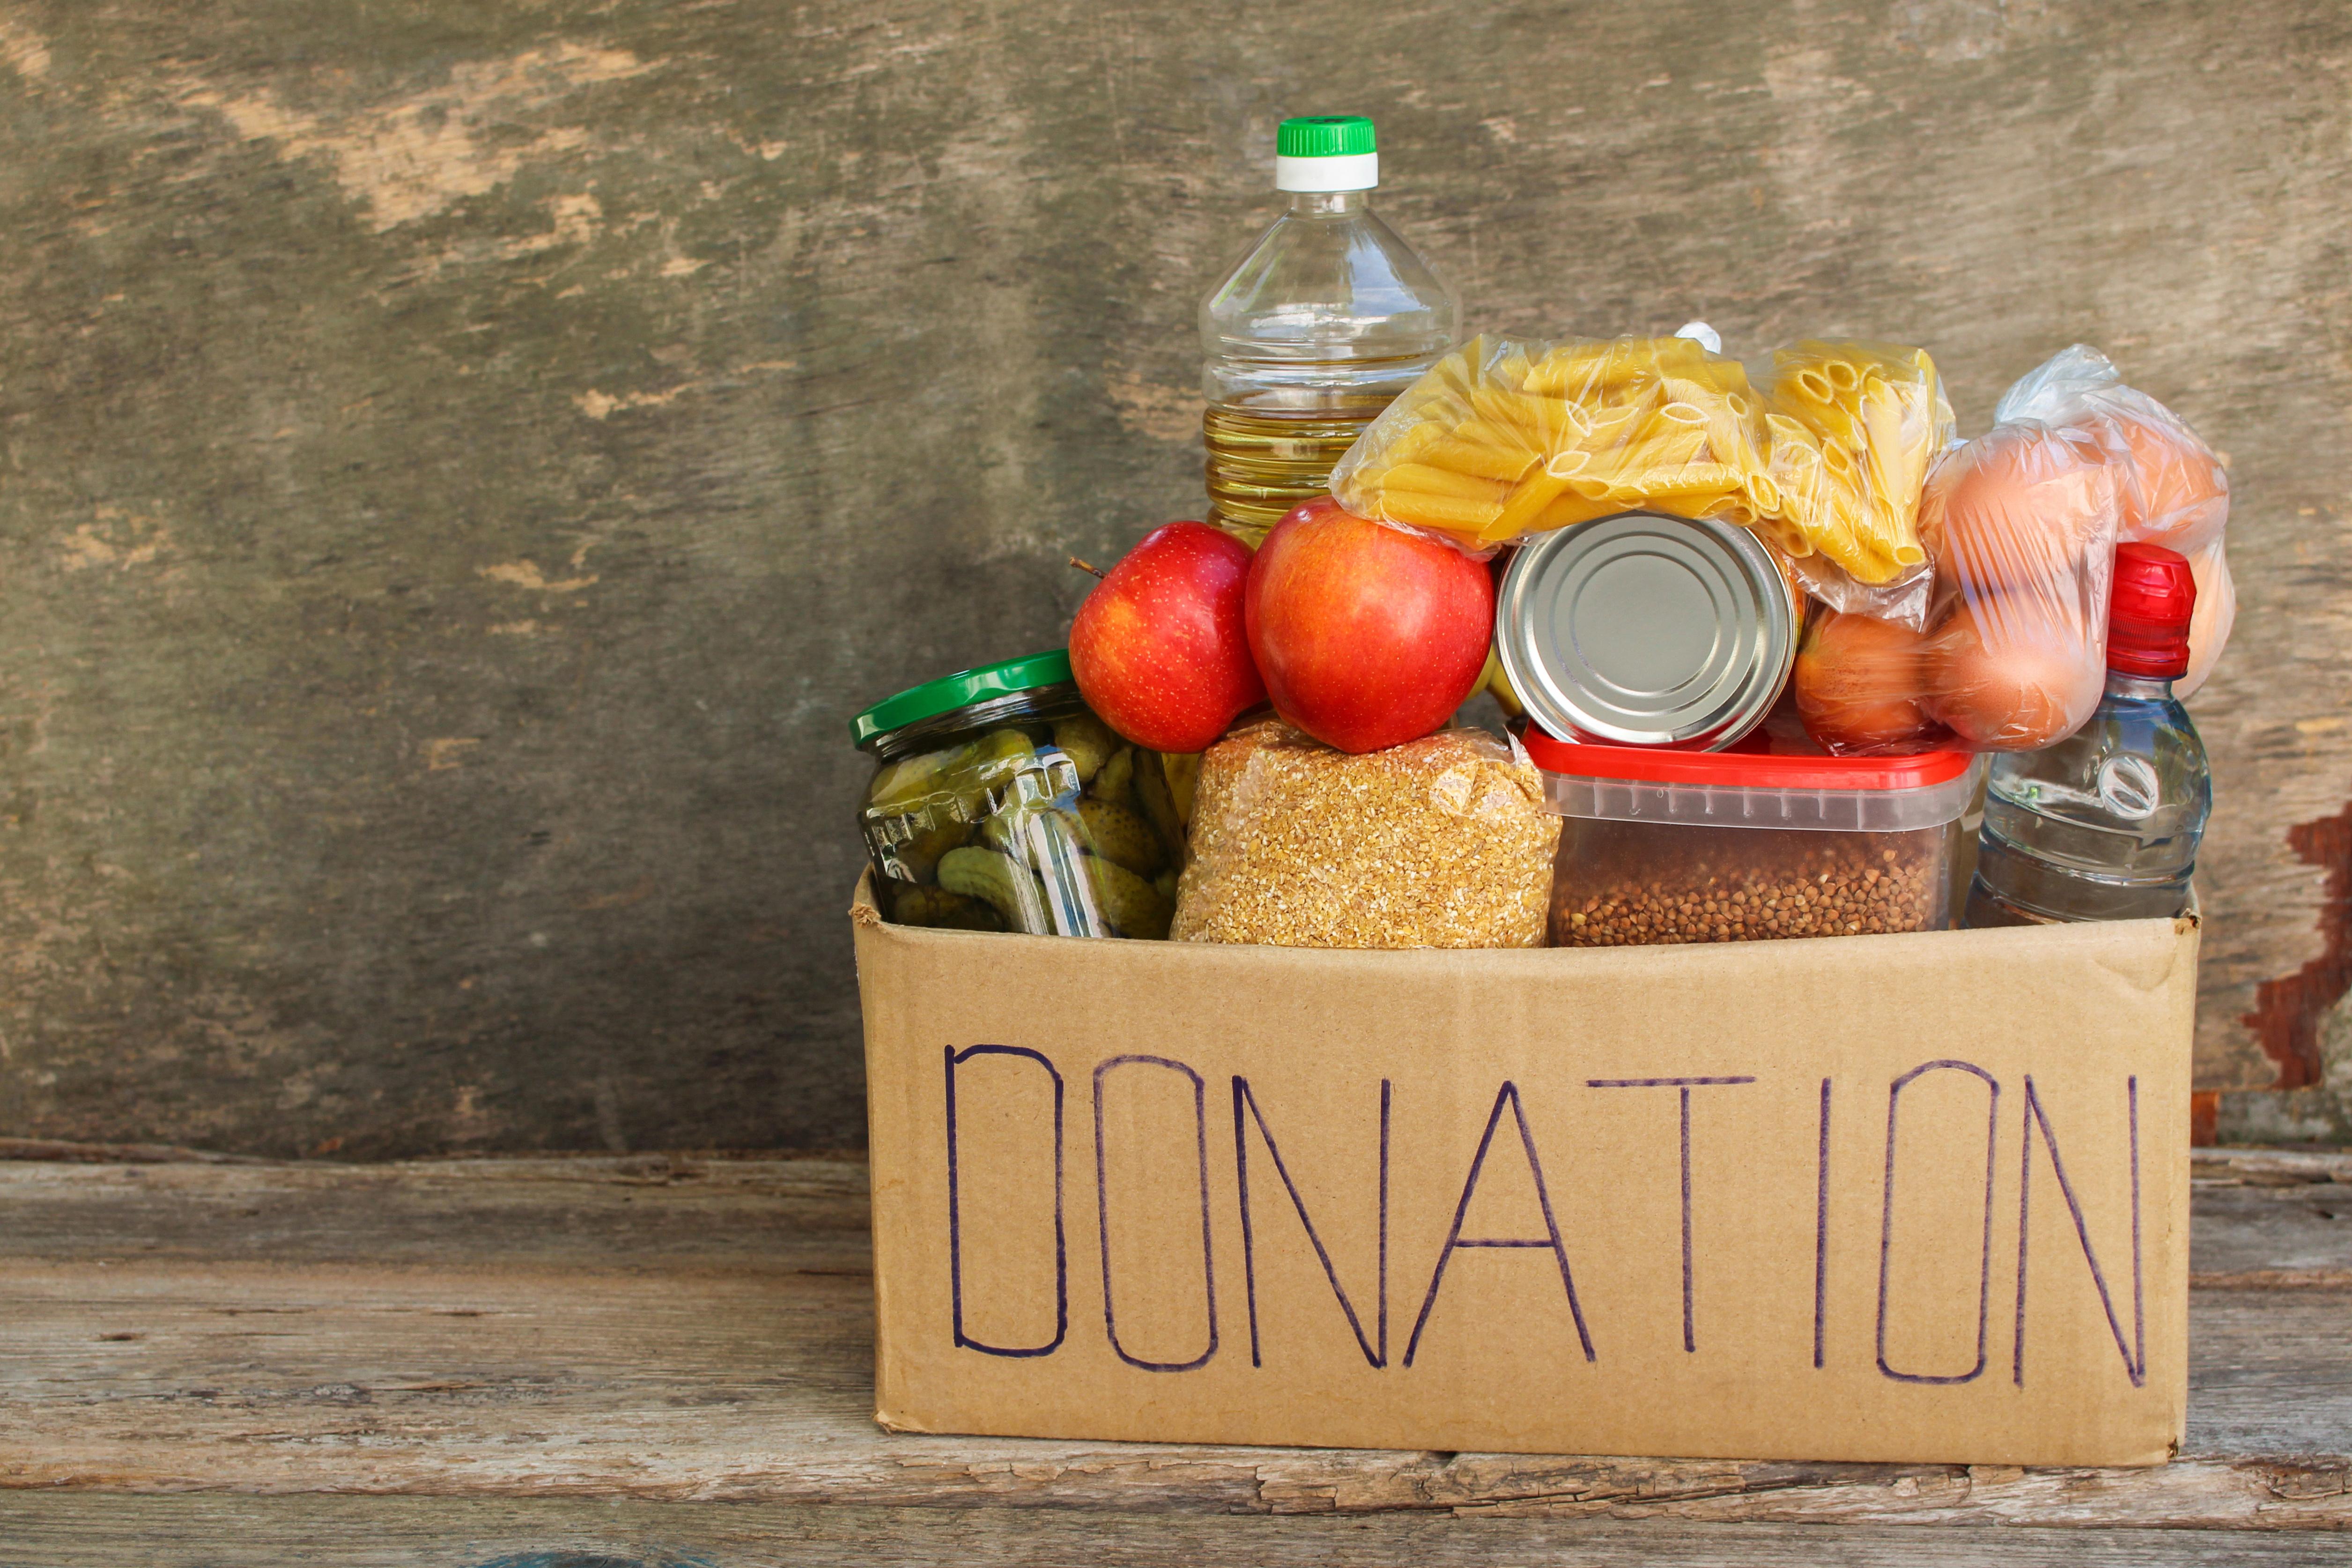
column 1324, row 136
column 949, row 692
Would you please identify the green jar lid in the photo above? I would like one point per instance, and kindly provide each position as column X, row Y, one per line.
column 949, row 692
column 1324, row 136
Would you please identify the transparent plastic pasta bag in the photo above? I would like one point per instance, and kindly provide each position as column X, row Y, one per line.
column 1854, row 427
column 1440, row 842
column 1507, row 439
column 1908, row 599
column 2169, row 485
column 2020, row 527
column 1854, row 430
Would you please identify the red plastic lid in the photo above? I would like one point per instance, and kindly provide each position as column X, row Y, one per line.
column 2147, row 618
column 1646, row 765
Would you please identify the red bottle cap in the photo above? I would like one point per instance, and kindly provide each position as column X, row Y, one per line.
column 2148, row 619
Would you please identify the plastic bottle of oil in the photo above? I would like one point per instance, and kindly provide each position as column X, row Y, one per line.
column 1326, row 319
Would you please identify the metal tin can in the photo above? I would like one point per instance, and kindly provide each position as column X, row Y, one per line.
column 1648, row 630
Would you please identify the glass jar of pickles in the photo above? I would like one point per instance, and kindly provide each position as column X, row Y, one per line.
column 1003, row 803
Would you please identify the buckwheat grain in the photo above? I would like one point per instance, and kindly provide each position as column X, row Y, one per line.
column 1623, row 884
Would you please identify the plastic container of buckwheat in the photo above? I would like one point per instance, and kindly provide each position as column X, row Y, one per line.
column 1678, row 847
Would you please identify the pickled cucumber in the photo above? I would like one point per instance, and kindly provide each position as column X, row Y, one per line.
column 1115, row 782
column 920, row 906
column 992, row 877
column 915, row 857
column 1087, row 741
column 1009, row 830
column 1152, row 793
column 1133, row 906
column 995, row 760
column 1051, row 826
column 1118, row 834
column 970, row 774
column 906, row 783
column 1001, row 832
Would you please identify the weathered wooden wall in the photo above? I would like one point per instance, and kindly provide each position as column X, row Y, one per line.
column 460, row 463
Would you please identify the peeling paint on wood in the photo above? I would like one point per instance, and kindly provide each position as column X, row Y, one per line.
column 2288, row 1010
column 460, row 464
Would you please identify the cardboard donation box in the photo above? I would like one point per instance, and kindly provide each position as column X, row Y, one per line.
column 1914, row 1197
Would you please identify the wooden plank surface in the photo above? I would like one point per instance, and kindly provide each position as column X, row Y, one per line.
column 218, row 1532
column 461, row 462
column 682, row 1330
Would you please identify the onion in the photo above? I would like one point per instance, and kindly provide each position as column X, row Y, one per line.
column 1858, row 681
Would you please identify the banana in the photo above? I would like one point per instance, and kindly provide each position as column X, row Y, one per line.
column 1121, row 837
column 1167, row 882
column 1009, row 889
column 1183, row 771
column 938, row 906
column 1153, row 791
column 1087, row 741
column 1132, row 905
column 1116, row 781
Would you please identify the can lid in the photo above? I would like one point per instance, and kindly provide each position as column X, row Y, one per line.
column 1326, row 153
column 1644, row 630
column 1743, row 769
column 949, row 692
column 2148, row 613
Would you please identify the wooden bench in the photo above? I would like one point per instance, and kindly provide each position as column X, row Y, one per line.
column 574, row 1363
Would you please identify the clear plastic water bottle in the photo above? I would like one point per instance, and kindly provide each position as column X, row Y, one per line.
column 2104, row 826
column 1322, row 324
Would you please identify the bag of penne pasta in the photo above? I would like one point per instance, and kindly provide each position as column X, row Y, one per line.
column 1505, row 439
column 1853, row 429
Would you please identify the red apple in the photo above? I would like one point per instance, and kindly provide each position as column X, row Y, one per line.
column 1367, row 636
column 1158, row 649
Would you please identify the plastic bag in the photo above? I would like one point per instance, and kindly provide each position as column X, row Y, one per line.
column 1505, row 439
column 1906, row 599
column 2171, row 487
column 1854, row 427
column 2021, row 523
column 1440, row 842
